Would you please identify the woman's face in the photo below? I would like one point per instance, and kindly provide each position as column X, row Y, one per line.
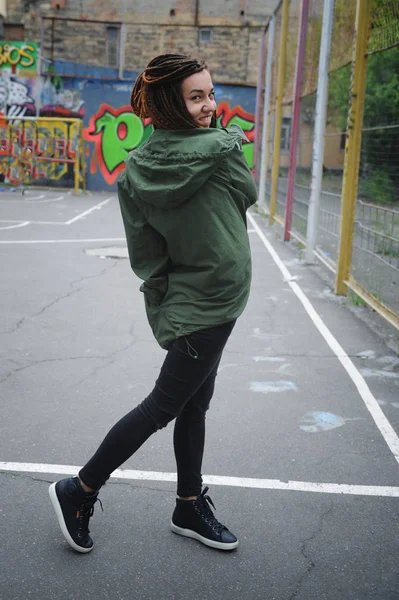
column 199, row 96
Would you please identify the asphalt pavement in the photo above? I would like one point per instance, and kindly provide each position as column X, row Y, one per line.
column 302, row 451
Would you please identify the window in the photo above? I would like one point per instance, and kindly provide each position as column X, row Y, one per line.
column 285, row 134
column 112, row 41
column 205, row 35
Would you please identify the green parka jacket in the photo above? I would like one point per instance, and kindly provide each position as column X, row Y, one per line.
column 183, row 198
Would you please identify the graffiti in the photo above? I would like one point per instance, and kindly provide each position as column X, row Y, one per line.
column 19, row 97
column 56, row 101
column 18, row 55
column 16, row 97
column 227, row 116
column 38, row 151
column 116, row 132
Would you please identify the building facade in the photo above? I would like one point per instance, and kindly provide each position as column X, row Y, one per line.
column 126, row 34
column 78, row 59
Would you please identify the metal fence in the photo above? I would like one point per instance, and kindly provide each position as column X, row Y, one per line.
column 327, row 144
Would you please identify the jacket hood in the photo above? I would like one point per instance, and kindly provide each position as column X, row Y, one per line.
column 172, row 165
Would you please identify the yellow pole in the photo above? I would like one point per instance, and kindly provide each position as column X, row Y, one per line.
column 76, row 173
column 279, row 109
column 353, row 144
column 76, row 166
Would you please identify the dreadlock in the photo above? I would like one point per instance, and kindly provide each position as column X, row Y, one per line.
column 157, row 91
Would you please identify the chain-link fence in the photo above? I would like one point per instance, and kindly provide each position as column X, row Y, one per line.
column 372, row 252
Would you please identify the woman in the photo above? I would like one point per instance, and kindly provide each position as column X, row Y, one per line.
column 183, row 197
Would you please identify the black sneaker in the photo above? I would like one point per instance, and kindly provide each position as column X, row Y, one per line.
column 195, row 519
column 73, row 507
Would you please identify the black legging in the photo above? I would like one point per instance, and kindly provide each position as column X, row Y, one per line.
column 183, row 391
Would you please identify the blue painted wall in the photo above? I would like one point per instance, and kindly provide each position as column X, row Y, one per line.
column 110, row 128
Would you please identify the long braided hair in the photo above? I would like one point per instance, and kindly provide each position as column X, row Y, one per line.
column 157, row 92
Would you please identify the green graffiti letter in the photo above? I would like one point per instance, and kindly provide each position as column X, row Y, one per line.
column 248, row 147
column 120, row 134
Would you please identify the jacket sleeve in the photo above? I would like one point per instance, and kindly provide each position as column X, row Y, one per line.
column 148, row 251
column 239, row 170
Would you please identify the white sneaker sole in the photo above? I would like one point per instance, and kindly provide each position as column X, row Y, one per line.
column 196, row 536
column 60, row 517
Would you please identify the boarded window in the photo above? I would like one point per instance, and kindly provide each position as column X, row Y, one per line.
column 14, row 32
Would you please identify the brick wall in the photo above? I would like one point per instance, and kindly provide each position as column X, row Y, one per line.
column 151, row 28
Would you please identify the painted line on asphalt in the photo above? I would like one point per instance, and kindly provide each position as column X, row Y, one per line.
column 77, row 241
column 47, row 222
column 242, row 482
column 32, row 201
column 371, row 403
column 35, row 197
column 87, row 212
column 16, row 226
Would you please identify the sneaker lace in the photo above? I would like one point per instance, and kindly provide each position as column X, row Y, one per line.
column 86, row 511
column 203, row 504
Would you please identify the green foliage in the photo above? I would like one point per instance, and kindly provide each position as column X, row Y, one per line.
column 382, row 91
column 378, row 187
column 356, row 300
column 339, row 96
column 380, row 142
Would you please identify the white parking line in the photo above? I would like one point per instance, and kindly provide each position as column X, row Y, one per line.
column 86, row 212
column 32, row 201
column 18, row 224
column 371, row 403
column 73, row 220
column 47, row 222
column 48, row 200
column 77, row 241
column 35, row 197
column 12, row 221
column 242, row 482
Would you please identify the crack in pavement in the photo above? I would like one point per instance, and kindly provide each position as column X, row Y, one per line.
column 45, row 360
column 311, row 564
column 110, row 362
column 71, row 293
column 93, row 357
column 12, row 474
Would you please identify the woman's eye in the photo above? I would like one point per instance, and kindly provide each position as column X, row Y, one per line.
column 212, row 95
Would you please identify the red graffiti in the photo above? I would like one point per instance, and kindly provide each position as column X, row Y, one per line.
column 227, row 116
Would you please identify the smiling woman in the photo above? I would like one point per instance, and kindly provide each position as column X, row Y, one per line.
column 199, row 96
column 183, row 195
